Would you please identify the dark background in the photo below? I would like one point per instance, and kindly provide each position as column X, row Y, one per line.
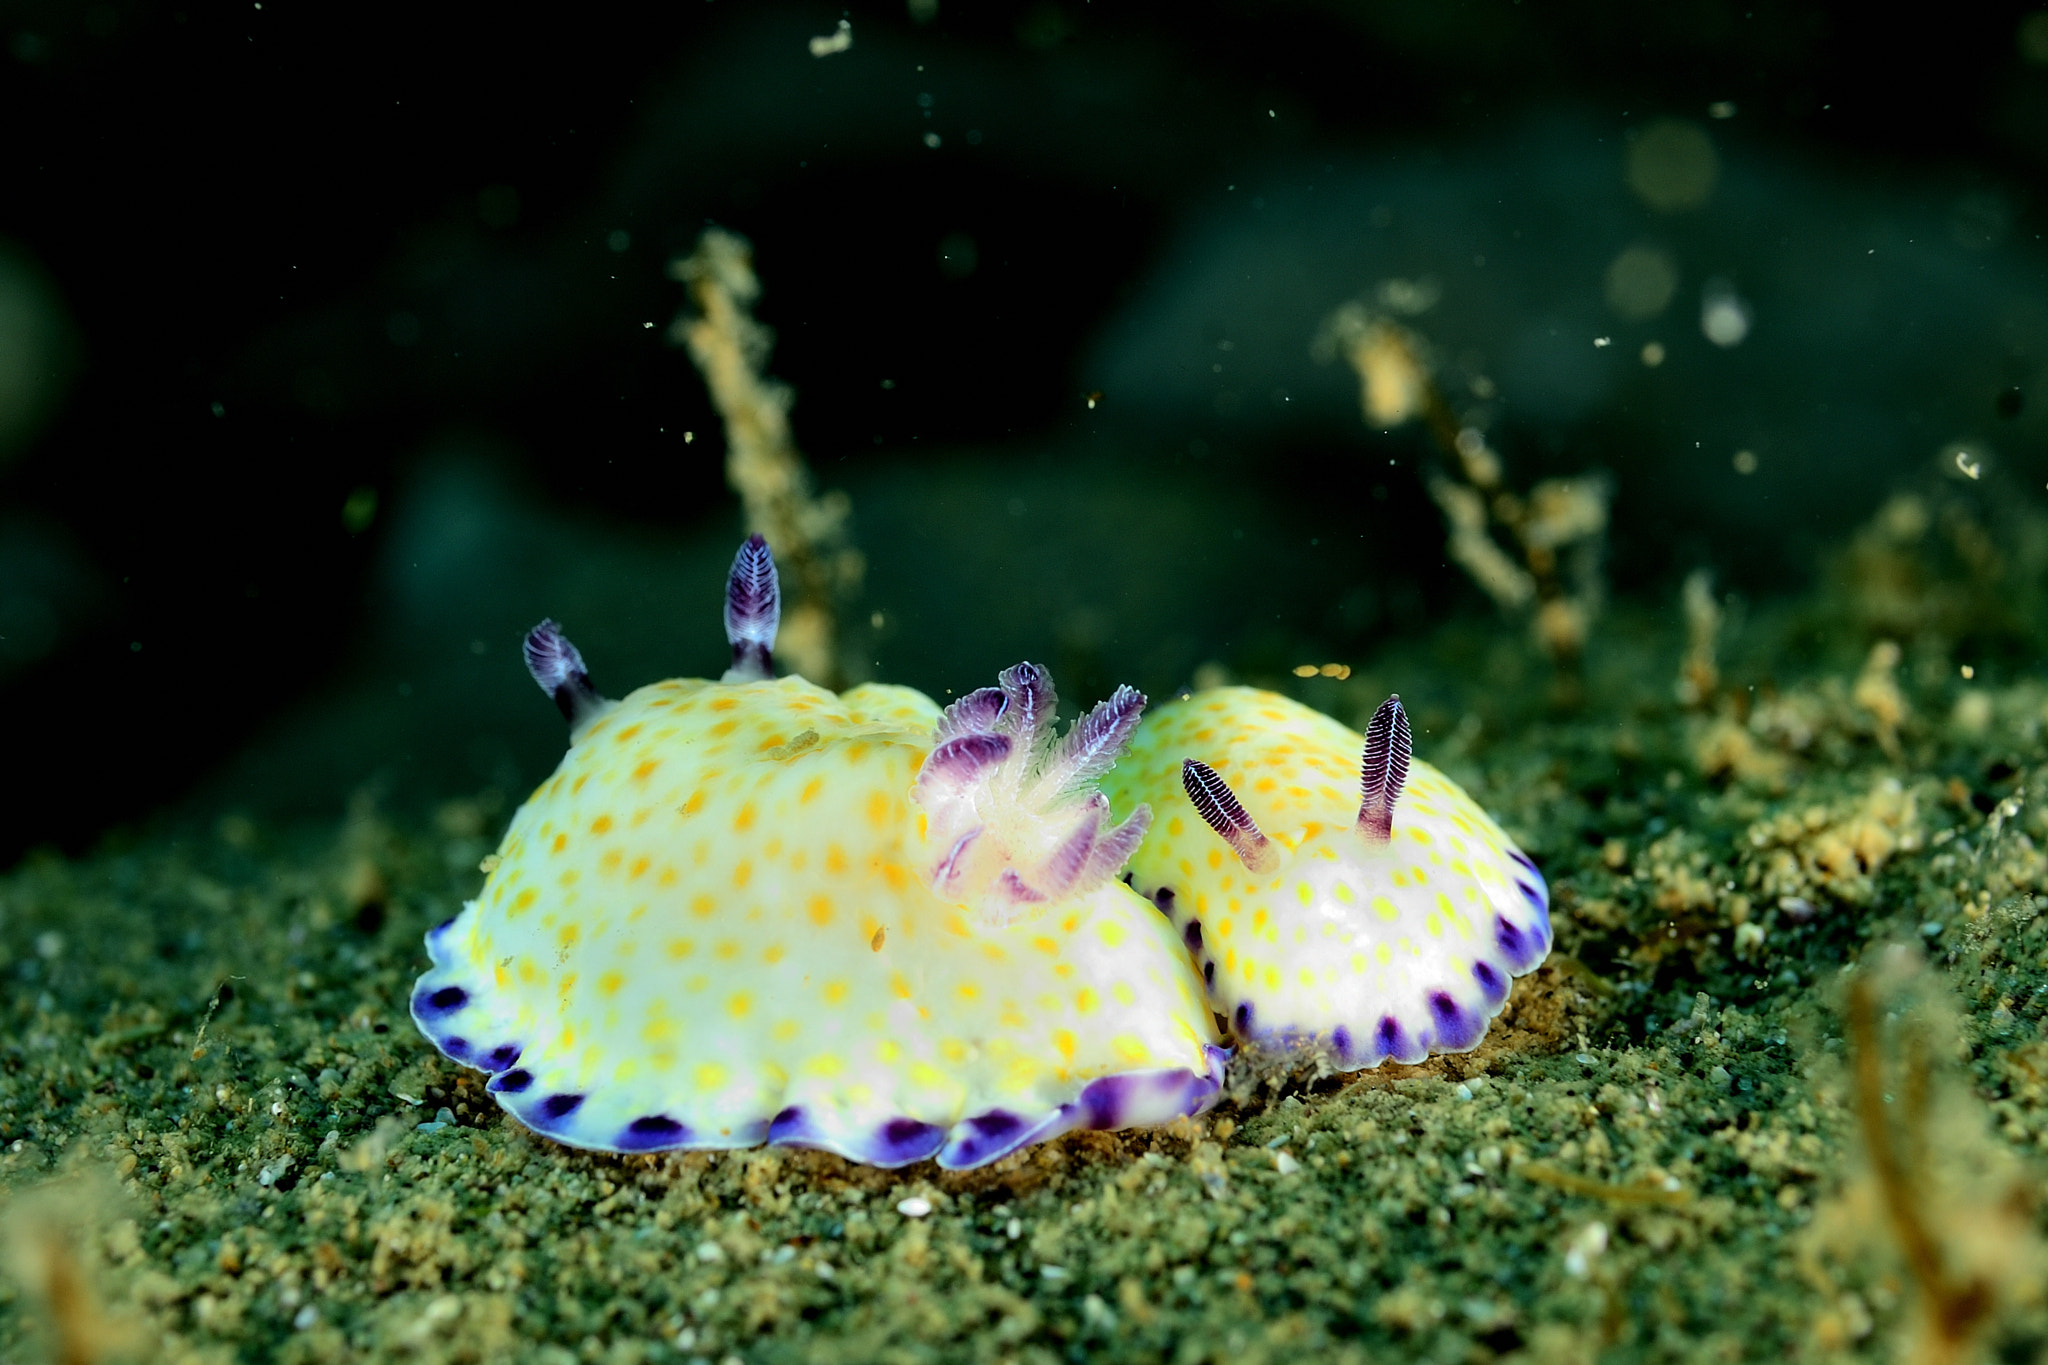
column 292, row 248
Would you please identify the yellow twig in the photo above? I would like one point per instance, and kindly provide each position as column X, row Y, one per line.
column 806, row 531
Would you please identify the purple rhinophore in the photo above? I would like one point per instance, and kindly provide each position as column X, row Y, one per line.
column 555, row 1108
column 510, row 1083
column 1492, row 984
column 1032, row 701
column 977, row 713
column 1221, row 811
column 753, row 611
column 961, row 760
column 557, row 666
column 1457, row 1028
column 901, row 1141
column 1383, row 769
column 651, row 1133
column 1097, row 740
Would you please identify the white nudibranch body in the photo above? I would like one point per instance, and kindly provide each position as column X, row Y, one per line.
column 1330, row 888
column 754, row 911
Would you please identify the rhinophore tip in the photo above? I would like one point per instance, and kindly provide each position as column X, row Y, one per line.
column 1221, row 811
column 558, row 667
column 753, row 610
column 1383, row 769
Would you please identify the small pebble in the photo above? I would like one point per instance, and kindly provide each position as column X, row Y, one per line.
column 1285, row 1163
column 917, row 1206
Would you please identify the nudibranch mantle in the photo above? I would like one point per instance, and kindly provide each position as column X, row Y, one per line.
column 716, row 926
column 1383, row 928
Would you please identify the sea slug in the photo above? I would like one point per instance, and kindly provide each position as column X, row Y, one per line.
column 1332, row 888
column 752, row 910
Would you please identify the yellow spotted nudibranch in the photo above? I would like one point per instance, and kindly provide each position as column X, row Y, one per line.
column 753, row 911
column 1379, row 924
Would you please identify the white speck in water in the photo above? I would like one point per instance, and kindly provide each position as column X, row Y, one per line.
column 1724, row 316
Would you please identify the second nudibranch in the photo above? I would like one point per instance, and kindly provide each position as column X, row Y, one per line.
column 1332, row 888
column 753, row 910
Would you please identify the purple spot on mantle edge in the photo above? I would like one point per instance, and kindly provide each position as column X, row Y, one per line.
column 1105, row 1100
column 438, row 1003
column 555, row 1108
column 791, row 1128
column 1391, row 1039
column 1340, row 1043
column 1457, row 1028
column 510, row 1083
column 1517, row 943
column 651, row 1133
column 501, row 1056
column 1491, row 983
column 901, row 1141
column 987, row 1136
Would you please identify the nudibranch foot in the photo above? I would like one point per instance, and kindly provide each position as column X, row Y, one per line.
column 1384, row 925
column 716, row 925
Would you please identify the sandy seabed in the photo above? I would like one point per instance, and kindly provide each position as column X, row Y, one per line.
column 1693, row 1135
